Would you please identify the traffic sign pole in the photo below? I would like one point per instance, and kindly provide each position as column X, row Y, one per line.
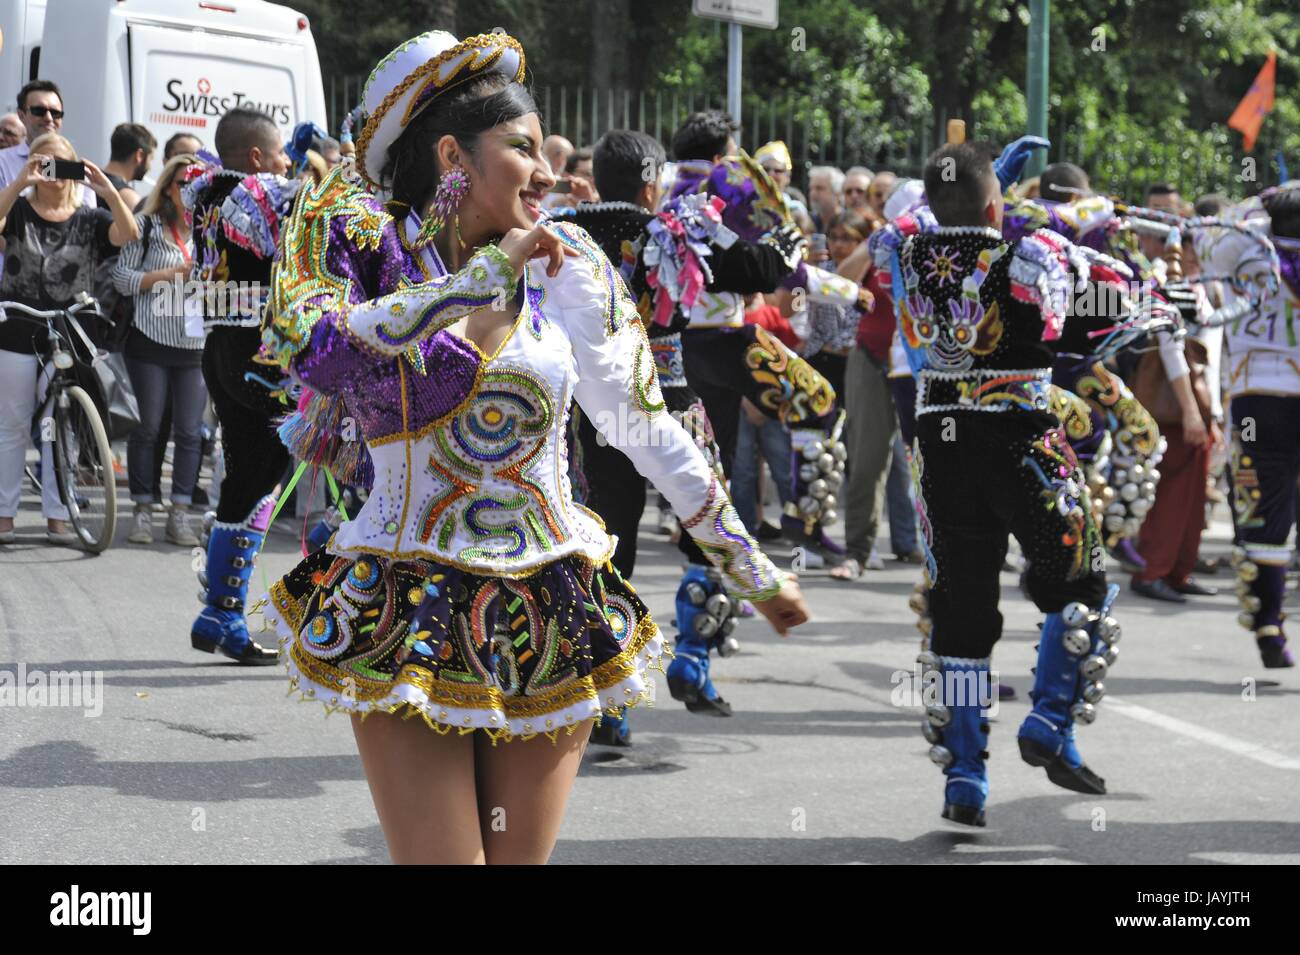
column 1036, row 80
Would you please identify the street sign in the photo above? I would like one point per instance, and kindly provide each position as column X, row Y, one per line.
column 750, row 13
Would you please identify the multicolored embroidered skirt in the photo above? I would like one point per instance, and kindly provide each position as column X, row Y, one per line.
column 512, row 657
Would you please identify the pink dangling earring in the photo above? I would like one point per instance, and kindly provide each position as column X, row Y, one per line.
column 452, row 188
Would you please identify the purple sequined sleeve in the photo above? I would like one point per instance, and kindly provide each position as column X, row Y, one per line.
column 375, row 305
column 385, row 394
column 354, row 272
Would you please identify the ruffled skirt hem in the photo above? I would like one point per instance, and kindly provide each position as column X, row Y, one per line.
column 619, row 680
column 409, row 700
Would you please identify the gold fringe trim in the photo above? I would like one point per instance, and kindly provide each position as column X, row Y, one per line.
column 609, row 674
column 406, row 710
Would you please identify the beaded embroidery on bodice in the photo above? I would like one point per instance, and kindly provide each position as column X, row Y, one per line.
column 487, row 486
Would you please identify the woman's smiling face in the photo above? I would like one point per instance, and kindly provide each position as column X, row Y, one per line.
column 508, row 177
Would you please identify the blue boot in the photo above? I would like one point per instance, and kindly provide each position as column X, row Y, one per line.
column 957, row 694
column 1075, row 649
column 613, row 730
column 231, row 551
column 321, row 533
column 334, row 516
column 706, row 616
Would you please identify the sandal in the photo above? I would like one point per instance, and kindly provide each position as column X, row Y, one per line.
column 849, row 569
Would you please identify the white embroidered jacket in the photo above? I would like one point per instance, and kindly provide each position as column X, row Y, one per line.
column 486, row 486
column 1263, row 343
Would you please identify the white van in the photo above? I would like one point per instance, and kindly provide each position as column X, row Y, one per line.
column 21, row 24
column 171, row 65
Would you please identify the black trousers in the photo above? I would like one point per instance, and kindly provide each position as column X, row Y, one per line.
column 254, row 455
column 722, row 366
column 984, row 475
column 1265, row 463
column 833, row 368
column 615, row 491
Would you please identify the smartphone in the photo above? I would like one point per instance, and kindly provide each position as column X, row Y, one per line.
column 52, row 168
column 817, row 241
column 562, row 186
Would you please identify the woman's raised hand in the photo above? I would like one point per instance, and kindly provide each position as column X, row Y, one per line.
column 97, row 181
column 540, row 241
column 31, row 173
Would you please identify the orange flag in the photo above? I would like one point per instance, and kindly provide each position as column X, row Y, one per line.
column 1255, row 105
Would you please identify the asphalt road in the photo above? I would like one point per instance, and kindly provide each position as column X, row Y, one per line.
column 195, row 760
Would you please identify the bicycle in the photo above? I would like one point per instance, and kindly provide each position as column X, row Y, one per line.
column 83, row 457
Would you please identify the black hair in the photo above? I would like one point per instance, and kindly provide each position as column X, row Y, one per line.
column 169, row 148
column 465, row 112
column 958, row 181
column 1283, row 208
column 578, row 155
column 239, row 130
column 623, row 162
column 38, row 86
column 1158, row 189
column 1064, row 174
column 1210, row 204
column 322, row 144
column 127, row 138
column 703, row 135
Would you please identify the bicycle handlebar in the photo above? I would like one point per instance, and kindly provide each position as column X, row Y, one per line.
column 73, row 309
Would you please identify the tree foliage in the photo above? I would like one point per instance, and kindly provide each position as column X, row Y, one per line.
column 1139, row 89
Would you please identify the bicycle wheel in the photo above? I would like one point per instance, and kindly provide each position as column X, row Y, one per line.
column 83, row 461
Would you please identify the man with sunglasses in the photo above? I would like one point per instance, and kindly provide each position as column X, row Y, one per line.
column 856, row 183
column 40, row 108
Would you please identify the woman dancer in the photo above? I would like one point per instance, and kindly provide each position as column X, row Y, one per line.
column 470, row 590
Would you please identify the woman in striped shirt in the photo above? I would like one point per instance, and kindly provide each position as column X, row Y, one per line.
column 163, row 353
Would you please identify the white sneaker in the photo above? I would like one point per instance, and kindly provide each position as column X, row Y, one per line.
column 179, row 530
column 874, row 562
column 142, row 529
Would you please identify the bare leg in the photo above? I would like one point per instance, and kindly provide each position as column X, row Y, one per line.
column 423, row 787
column 523, row 787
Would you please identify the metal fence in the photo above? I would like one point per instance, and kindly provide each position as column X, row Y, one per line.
column 582, row 114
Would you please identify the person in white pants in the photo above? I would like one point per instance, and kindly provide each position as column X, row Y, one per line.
column 52, row 245
column 18, row 401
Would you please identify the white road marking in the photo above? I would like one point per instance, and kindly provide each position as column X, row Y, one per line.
column 1241, row 747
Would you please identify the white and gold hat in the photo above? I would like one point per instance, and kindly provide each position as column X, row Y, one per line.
column 408, row 79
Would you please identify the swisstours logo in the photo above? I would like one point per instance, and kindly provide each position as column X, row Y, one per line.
column 205, row 103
